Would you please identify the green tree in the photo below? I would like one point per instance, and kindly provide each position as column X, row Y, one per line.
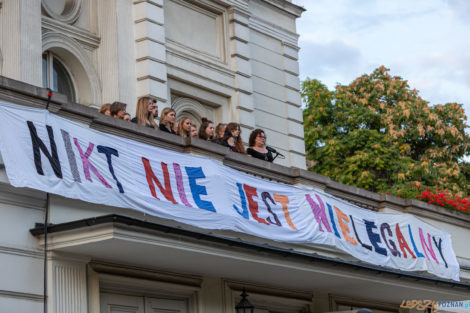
column 377, row 133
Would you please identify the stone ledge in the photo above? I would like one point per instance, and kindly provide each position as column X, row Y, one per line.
column 28, row 95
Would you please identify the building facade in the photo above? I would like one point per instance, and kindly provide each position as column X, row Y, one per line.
column 225, row 60
column 228, row 60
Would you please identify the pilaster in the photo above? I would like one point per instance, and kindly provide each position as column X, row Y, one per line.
column 149, row 33
column 240, row 61
column 67, row 284
column 295, row 130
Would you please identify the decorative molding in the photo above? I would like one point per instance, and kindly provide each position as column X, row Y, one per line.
column 273, row 30
column 286, row 6
column 191, row 106
column 89, row 86
column 24, row 197
column 22, row 295
column 218, row 67
column 86, row 38
column 145, row 273
column 160, row 5
column 37, row 254
column 71, row 12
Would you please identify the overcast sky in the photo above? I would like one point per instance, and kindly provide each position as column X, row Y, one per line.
column 426, row 42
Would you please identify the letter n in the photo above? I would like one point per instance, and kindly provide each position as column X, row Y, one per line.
column 38, row 146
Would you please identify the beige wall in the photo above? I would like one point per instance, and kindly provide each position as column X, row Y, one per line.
column 221, row 59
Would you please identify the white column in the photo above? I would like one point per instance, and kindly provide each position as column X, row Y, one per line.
column 67, row 286
column 240, row 61
column 150, row 49
column 31, row 45
column 295, row 130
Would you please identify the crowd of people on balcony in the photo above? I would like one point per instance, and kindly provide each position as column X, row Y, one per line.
column 228, row 135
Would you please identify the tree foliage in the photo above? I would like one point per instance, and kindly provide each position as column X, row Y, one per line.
column 377, row 133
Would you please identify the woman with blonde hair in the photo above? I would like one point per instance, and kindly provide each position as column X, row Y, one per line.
column 167, row 119
column 146, row 112
column 105, row 109
column 220, row 130
column 232, row 138
column 184, row 127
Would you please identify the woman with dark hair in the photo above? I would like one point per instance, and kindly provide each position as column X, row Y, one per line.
column 184, row 127
column 257, row 145
column 232, row 138
column 117, row 109
column 167, row 119
column 220, row 130
column 126, row 117
column 146, row 112
column 206, row 131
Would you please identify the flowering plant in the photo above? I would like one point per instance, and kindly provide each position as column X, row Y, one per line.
column 435, row 196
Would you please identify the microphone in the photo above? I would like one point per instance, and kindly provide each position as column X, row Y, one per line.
column 272, row 150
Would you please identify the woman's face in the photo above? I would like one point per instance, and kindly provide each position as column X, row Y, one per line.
column 107, row 112
column 187, row 125
column 236, row 132
column 152, row 107
column 193, row 131
column 170, row 116
column 210, row 130
column 260, row 140
column 222, row 131
column 120, row 113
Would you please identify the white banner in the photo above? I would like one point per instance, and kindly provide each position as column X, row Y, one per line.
column 45, row 152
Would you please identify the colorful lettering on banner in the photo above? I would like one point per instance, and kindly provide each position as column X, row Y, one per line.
column 87, row 166
column 319, row 212
column 195, row 173
column 439, row 248
column 244, row 211
column 427, row 247
column 151, row 178
column 389, row 243
column 274, row 211
column 402, row 243
column 265, row 196
column 343, row 224
column 38, row 146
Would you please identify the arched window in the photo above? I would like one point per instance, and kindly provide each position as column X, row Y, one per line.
column 56, row 76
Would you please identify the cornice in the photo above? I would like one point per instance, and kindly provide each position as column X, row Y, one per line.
column 274, row 31
column 85, row 37
column 286, row 6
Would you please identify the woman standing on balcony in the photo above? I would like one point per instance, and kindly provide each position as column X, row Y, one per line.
column 232, row 138
column 257, row 145
column 220, row 130
column 117, row 109
column 167, row 119
column 184, row 127
column 146, row 112
column 206, row 131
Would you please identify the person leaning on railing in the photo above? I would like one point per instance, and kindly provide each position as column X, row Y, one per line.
column 193, row 130
column 184, row 127
column 105, row 109
column 146, row 112
column 117, row 109
column 232, row 138
column 206, row 131
column 220, row 130
column 167, row 119
column 257, row 146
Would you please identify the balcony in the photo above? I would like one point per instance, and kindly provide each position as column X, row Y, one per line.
column 98, row 235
